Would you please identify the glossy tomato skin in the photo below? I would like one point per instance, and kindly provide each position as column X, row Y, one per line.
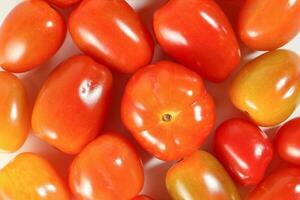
column 64, row 3
column 268, row 25
column 200, row 176
column 14, row 109
column 30, row 176
column 110, row 167
column 142, row 197
column 31, row 33
column 268, row 101
column 168, row 110
column 287, row 141
column 71, row 106
column 243, row 149
column 115, row 36
column 200, row 38
column 281, row 184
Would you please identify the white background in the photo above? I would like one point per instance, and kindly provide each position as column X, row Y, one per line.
column 155, row 170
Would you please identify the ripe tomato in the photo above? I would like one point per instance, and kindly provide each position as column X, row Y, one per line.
column 31, row 33
column 283, row 184
column 287, row 141
column 108, row 168
column 268, row 24
column 14, row 118
column 268, row 88
column 30, row 176
column 142, row 197
column 112, row 33
column 244, row 150
column 71, row 106
column 167, row 109
column 200, row 176
column 64, row 3
column 197, row 34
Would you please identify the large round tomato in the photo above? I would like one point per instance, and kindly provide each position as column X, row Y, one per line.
column 113, row 33
column 167, row 109
column 108, row 168
column 197, row 34
column 31, row 33
column 287, row 141
column 64, row 3
column 71, row 106
column 283, row 184
column 243, row 149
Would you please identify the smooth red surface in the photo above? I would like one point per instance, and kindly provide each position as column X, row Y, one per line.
column 282, row 184
column 167, row 89
column 64, row 3
column 108, row 168
column 287, row 141
column 71, row 106
column 113, row 33
column 31, row 33
column 142, row 197
column 243, row 149
column 269, row 24
column 197, row 34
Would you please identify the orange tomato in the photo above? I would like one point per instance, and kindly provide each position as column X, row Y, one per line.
column 167, row 109
column 31, row 177
column 64, row 3
column 31, row 33
column 108, row 168
column 71, row 106
column 14, row 118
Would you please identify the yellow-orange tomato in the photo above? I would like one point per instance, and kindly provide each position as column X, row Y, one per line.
column 31, row 177
column 14, row 117
column 200, row 176
column 268, row 88
column 269, row 24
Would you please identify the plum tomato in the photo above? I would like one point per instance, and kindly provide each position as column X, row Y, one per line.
column 268, row 24
column 31, row 33
column 71, row 105
column 287, row 141
column 168, row 110
column 282, row 184
column 268, row 87
column 112, row 33
column 31, row 177
column 64, row 3
column 243, row 149
column 142, row 197
column 108, row 168
column 200, row 176
column 14, row 118
column 197, row 34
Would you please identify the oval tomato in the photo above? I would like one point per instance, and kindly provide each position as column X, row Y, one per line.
column 142, row 197
column 31, row 33
column 243, row 149
column 30, row 176
column 167, row 109
column 282, row 184
column 197, row 34
column 287, row 141
column 200, row 176
column 268, row 24
column 14, row 118
column 64, row 3
column 71, row 106
column 268, row 101
column 112, row 33
column 109, row 167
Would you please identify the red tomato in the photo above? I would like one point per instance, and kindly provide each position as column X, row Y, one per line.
column 269, row 24
column 109, row 168
column 167, row 109
column 113, row 33
column 64, row 3
column 142, row 197
column 244, row 150
column 283, row 184
column 70, row 108
column 31, row 33
column 197, row 34
column 287, row 141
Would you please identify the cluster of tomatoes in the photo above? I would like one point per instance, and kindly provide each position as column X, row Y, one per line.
column 165, row 105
